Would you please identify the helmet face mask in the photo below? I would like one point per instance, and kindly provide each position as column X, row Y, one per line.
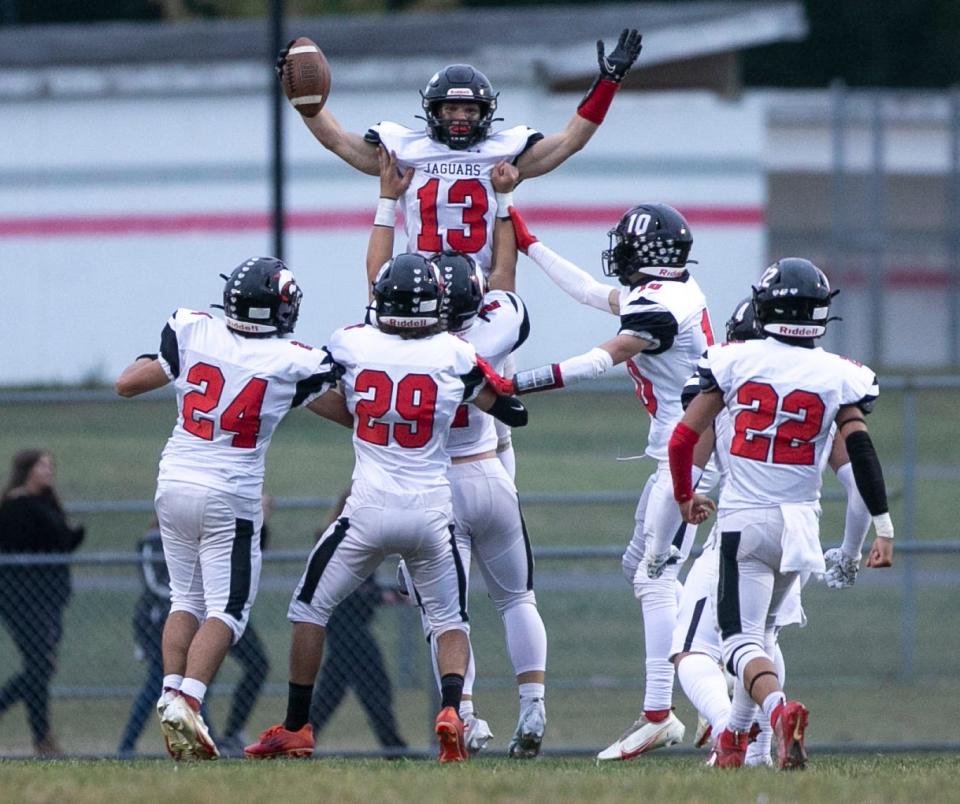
column 261, row 298
column 406, row 295
column 650, row 239
column 463, row 289
column 792, row 300
column 458, row 83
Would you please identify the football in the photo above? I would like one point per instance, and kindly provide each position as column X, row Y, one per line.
column 306, row 77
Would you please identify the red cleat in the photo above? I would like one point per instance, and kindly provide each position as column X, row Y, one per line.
column 449, row 731
column 729, row 749
column 277, row 742
column 789, row 724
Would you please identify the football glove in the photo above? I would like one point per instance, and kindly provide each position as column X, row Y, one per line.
column 282, row 58
column 841, row 569
column 621, row 58
column 656, row 563
column 523, row 236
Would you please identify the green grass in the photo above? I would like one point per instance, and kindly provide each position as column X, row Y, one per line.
column 661, row 778
column 846, row 666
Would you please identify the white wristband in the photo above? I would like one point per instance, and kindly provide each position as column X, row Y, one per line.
column 504, row 202
column 883, row 526
column 386, row 212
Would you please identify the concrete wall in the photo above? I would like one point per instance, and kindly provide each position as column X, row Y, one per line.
column 114, row 211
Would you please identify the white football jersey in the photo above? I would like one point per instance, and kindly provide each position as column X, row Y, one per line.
column 232, row 392
column 782, row 401
column 450, row 203
column 501, row 326
column 403, row 395
column 673, row 316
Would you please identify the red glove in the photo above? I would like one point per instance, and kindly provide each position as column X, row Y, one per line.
column 520, row 230
column 502, row 386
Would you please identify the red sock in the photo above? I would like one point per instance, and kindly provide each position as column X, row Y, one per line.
column 656, row 715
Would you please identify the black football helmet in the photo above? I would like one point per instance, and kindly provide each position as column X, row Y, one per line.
column 463, row 289
column 652, row 239
column 406, row 295
column 792, row 300
column 261, row 298
column 742, row 326
column 458, row 83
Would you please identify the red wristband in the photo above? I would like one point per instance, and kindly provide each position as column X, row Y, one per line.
column 595, row 105
column 680, row 449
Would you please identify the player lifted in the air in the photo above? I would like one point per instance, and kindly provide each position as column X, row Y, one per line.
column 450, row 203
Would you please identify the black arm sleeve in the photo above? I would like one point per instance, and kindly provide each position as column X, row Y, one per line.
column 510, row 411
column 867, row 472
column 170, row 349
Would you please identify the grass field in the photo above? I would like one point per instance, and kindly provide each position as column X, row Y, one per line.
column 654, row 779
column 847, row 666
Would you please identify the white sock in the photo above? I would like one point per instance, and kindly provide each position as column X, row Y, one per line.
column 771, row 702
column 659, row 618
column 526, row 638
column 531, row 691
column 173, row 681
column 193, row 688
column 466, row 708
column 743, row 710
column 705, row 686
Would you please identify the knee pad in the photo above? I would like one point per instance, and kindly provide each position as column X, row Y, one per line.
column 506, row 603
column 739, row 650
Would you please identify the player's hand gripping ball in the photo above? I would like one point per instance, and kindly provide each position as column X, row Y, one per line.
column 305, row 74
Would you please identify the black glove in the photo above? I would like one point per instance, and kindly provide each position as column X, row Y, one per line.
column 282, row 59
column 510, row 411
column 618, row 63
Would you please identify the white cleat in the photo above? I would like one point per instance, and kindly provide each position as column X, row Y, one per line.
column 165, row 699
column 530, row 728
column 185, row 733
column 644, row 736
column 476, row 734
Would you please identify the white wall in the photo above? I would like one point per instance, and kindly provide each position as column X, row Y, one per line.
column 82, row 305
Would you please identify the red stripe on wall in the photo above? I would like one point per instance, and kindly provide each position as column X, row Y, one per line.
column 198, row 222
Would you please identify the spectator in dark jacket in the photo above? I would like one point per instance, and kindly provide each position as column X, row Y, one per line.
column 33, row 596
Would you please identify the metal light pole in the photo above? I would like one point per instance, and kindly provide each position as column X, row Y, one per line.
column 277, row 41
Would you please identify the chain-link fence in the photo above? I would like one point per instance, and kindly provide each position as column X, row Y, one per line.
column 874, row 665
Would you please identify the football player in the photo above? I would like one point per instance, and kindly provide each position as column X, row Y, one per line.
column 450, row 203
column 696, row 648
column 235, row 379
column 783, row 395
column 488, row 523
column 664, row 328
column 404, row 381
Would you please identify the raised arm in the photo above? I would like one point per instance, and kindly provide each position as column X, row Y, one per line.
column 571, row 279
column 546, row 154
column 351, row 148
column 503, row 273
column 392, row 186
